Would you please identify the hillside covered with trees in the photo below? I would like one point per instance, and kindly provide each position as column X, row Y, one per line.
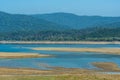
column 58, row 27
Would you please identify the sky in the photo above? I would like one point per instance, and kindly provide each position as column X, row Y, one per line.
column 79, row 7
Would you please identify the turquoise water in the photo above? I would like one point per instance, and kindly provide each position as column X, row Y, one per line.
column 61, row 59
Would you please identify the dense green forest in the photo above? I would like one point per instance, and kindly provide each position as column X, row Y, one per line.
column 96, row 34
column 58, row 27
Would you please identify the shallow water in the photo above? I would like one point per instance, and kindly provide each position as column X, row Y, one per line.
column 61, row 59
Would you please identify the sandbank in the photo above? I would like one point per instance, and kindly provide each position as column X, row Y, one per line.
column 99, row 50
column 21, row 55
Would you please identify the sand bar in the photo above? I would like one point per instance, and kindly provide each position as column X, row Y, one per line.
column 59, row 42
column 99, row 50
column 21, row 55
column 107, row 66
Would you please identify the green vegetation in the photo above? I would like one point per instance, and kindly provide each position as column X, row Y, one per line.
column 78, row 22
column 67, row 77
column 101, row 34
column 14, row 23
column 58, row 27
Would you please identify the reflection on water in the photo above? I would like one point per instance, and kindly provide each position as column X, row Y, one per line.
column 61, row 59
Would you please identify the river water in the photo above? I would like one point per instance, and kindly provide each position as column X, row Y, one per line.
column 60, row 59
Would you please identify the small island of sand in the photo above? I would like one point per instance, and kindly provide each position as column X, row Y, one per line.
column 21, row 55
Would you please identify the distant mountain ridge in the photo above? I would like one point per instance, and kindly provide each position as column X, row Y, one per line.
column 16, row 22
column 77, row 22
column 58, row 27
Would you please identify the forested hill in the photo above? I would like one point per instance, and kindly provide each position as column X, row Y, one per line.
column 58, row 27
column 77, row 22
column 14, row 23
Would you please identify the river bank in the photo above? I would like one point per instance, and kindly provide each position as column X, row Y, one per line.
column 58, row 42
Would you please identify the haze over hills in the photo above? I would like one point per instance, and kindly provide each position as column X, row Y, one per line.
column 58, row 27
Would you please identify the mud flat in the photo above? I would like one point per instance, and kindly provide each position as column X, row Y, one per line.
column 54, row 71
column 21, row 55
column 57, row 73
column 51, row 71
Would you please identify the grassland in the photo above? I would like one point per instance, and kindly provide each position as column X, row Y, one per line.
column 65, row 77
column 99, row 50
column 21, row 55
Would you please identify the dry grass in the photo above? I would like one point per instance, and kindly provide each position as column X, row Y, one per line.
column 100, row 50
